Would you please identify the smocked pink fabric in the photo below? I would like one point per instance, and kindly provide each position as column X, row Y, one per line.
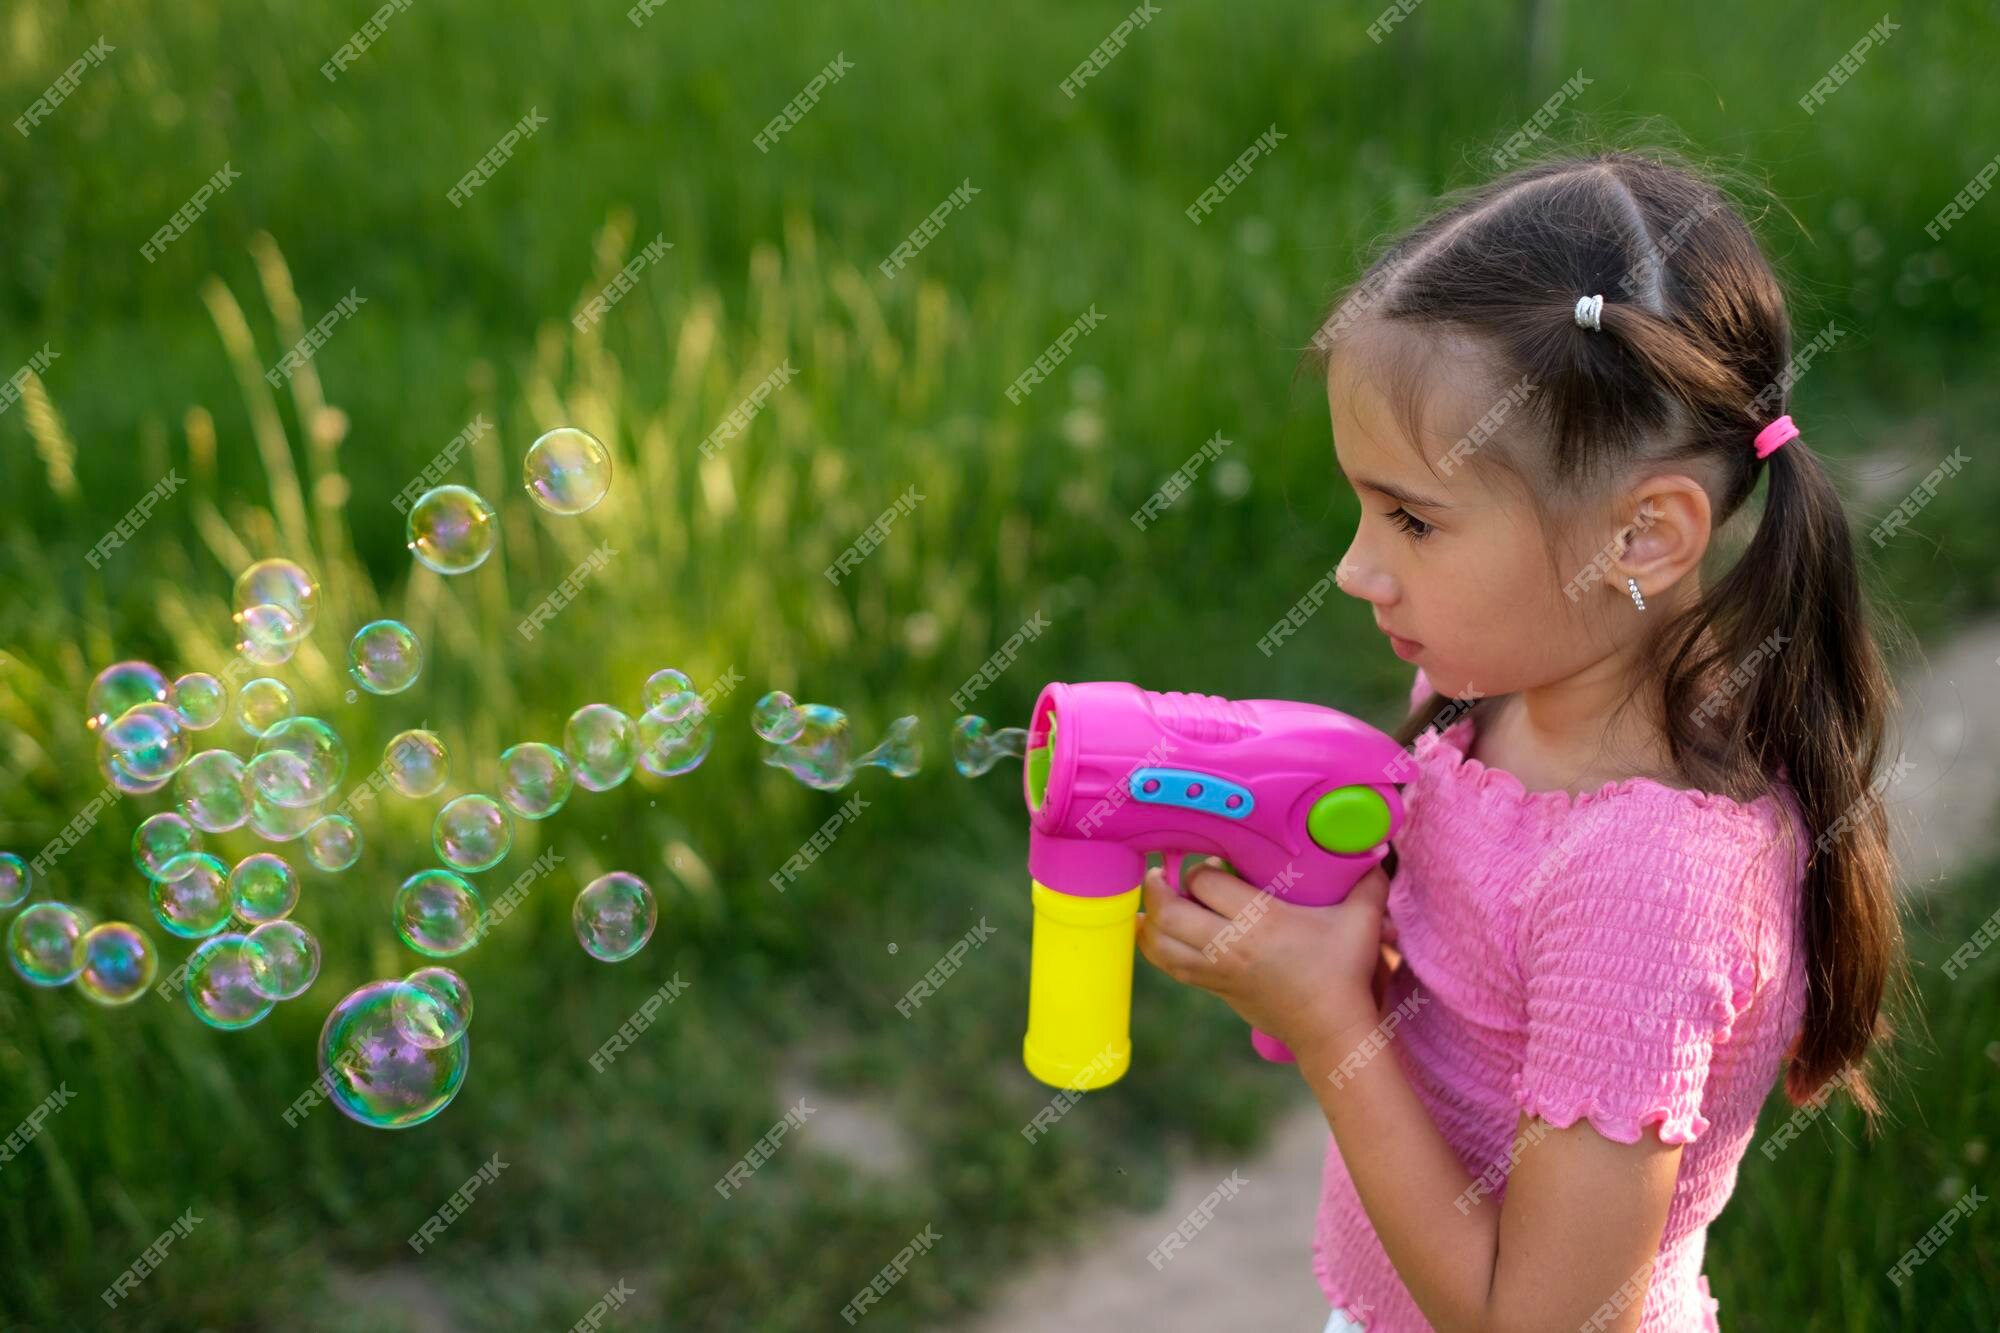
column 1629, row 956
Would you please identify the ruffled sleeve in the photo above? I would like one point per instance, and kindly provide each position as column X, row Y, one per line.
column 1635, row 964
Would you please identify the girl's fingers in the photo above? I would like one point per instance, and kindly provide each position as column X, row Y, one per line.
column 1174, row 916
column 1177, row 958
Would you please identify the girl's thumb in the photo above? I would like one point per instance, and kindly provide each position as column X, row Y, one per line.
column 1372, row 890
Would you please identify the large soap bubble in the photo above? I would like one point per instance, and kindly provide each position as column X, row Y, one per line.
column 451, row 530
column 438, row 913
column 220, row 986
column 567, row 471
column 614, row 916
column 282, row 584
column 121, row 687
column 378, row 1076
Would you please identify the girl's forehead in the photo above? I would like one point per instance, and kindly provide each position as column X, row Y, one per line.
column 1413, row 417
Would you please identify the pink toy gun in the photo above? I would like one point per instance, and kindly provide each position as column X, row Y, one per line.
column 1300, row 800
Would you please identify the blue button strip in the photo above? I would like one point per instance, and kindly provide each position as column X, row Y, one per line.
column 1191, row 790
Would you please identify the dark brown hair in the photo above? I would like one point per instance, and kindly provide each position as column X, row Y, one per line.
column 1692, row 357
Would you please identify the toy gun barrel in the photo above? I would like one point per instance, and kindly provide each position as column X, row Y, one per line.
column 1299, row 799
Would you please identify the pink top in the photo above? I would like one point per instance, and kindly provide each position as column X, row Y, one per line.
column 1630, row 955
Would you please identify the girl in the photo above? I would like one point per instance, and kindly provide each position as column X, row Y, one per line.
column 1645, row 864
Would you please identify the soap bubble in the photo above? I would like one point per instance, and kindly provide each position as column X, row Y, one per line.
column 147, row 741
column 385, row 657
column 599, row 741
column 567, row 470
column 208, row 791
column 976, row 746
column 472, row 833
column 333, row 843
column 199, row 699
column 282, row 584
column 300, row 760
column 191, row 897
column 901, row 752
column 14, row 880
column 41, row 943
column 433, row 1008
column 268, row 635
column 614, row 916
column 819, row 755
column 116, row 963
column 280, row 823
column 112, row 766
column 159, row 840
column 438, row 914
column 777, row 719
column 535, row 779
column 263, row 887
column 121, row 687
column 280, row 777
column 262, row 704
column 416, row 762
column 221, row 988
column 662, row 685
column 284, row 959
column 451, row 530
column 375, row 1074
column 674, row 736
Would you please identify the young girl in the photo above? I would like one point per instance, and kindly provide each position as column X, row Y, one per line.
column 1644, row 865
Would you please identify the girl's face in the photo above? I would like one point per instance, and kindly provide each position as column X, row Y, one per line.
column 1456, row 571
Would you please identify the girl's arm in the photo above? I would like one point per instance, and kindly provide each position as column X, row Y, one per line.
column 1571, row 1248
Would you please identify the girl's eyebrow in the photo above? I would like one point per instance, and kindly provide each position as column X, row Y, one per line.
column 1399, row 494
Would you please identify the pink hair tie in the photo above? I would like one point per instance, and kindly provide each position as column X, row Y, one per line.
column 1774, row 435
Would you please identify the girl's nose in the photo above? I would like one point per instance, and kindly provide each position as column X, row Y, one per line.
column 1359, row 577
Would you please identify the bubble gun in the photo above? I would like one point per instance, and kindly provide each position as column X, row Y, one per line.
column 1299, row 799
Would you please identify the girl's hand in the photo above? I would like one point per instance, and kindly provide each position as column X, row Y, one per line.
column 1300, row 974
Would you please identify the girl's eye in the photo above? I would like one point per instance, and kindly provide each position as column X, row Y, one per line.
column 1410, row 523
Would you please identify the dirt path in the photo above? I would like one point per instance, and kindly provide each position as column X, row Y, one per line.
column 1250, row 1268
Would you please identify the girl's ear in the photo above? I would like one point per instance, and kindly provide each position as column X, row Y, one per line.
column 1668, row 533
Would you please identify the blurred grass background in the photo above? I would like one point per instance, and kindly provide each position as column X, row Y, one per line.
column 343, row 188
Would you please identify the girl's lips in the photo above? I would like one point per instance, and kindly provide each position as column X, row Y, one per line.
column 1407, row 649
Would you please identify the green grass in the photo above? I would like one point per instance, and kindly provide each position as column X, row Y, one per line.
column 1810, row 1235
column 719, row 565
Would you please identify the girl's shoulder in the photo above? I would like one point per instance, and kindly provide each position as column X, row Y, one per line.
column 1637, row 836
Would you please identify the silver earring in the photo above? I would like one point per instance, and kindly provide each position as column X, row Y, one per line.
column 1638, row 598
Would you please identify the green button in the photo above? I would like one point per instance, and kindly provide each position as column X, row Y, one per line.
column 1349, row 820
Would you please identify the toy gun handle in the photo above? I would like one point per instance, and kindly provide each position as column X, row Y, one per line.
column 1080, row 988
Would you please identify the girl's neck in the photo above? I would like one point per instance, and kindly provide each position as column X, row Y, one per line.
column 1577, row 733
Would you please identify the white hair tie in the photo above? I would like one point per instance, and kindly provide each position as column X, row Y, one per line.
column 1588, row 308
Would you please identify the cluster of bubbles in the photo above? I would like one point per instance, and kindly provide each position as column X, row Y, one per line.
column 452, row 529
column 439, row 913
column 232, row 979
column 249, row 954
column 813, row 743
column 393, row 1053
column 276, row 606
column 54, row 944
column 396, row 1049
